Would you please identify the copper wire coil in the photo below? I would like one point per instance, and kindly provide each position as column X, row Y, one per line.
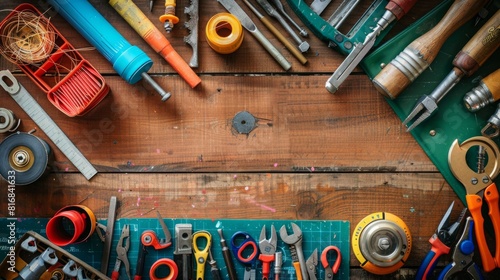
column 27, row 38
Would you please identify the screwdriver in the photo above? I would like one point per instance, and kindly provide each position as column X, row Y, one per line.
column 479, row 48
column 148, row 31
column 395, row 10
column 130, row 62
column 418, row 55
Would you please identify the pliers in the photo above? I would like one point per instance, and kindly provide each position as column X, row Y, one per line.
column 121, row 252
column 311, row 264
column 463, row 256
column 267, row 249
column 479, row 185
column 441, row 241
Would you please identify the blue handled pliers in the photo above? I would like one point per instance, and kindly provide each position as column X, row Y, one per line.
column 441, row 242
column 463, row 256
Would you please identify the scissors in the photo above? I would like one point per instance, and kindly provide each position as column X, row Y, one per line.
column 201, row 253
column 246, row 252
column 330, row 270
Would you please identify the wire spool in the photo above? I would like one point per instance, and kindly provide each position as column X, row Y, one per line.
column 8, row 121
column 27, row 38
column 70, row 225
column 24, row 158
column 381, row 242
column 224, row 33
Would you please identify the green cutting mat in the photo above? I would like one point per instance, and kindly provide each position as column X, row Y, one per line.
column 451, row 120
column 317, row 234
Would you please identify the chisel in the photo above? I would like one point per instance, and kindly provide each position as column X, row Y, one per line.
column 418, row 55
column 395, row 10
column 472, row 56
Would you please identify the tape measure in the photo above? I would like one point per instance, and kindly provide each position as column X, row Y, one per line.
column 381, row 242
column 43, row 120
column 8, row 121
column 24, row 158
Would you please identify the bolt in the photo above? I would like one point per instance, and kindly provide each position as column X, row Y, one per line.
column 384, row 243
column 486, row 179
column 474, row 181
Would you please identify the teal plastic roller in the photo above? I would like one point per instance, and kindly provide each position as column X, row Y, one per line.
column 129, row 61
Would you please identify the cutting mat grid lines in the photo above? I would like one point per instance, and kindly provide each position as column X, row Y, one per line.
column 316, row 234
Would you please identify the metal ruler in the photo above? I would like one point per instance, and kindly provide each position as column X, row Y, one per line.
column 43, row 120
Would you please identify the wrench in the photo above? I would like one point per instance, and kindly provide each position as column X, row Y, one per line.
column 294, row 242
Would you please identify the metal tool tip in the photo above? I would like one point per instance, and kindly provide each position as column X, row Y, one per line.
column 330, row 87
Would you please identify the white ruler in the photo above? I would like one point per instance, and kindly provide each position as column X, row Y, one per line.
column 43, row 120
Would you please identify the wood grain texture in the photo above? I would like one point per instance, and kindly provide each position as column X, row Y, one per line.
column 313, row 155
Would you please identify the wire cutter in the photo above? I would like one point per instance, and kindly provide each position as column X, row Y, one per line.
column 441, row 241
column 478, row 185
column 267, row 249
column 463, row 256
column 121, row 252
column 330, row 270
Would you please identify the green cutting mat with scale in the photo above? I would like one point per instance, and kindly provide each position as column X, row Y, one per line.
column 317, row 234
column 451, row 120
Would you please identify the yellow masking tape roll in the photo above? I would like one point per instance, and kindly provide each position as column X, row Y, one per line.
column 224, row 33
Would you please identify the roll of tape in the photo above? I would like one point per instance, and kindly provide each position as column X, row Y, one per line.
column 24, row 158
column 8, row 121
column 70, row 225
column 224, row 33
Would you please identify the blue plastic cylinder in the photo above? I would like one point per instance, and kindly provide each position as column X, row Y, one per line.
column 127, row 60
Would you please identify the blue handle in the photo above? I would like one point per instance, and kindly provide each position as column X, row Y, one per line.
column 428, row 265
column 127, row 60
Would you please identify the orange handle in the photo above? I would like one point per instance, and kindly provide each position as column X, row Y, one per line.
column 148, row 31
column 492, row 198
column 474, row 203
column 298, row 271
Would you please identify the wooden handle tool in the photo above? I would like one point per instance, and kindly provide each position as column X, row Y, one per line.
column 417, row 56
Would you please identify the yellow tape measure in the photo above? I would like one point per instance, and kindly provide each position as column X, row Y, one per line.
column 381, row 242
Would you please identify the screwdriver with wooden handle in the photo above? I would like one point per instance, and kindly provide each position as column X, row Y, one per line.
column 395, row 10
column 472, row 56
column 487, row 92
column 418, row 55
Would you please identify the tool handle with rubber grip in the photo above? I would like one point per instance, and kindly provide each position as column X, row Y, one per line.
column 480, row 47
column 141, row 260
column 492, row 199
column 160, row 44
column 431, row 259
column 474, row 203
column 115, row 275
column 266, row 264
column 400, row 7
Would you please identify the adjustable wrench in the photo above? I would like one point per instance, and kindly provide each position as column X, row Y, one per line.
column 294, row 242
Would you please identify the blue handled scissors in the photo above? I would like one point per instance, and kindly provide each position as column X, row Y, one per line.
column 246, row 252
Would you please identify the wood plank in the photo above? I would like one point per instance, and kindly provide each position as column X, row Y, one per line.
column 300, row 128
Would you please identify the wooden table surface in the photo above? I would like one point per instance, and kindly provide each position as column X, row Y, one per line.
column 313, row 155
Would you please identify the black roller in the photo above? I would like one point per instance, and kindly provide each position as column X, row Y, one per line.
column 24, row 158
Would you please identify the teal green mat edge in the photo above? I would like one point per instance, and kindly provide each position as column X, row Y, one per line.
column 451, row 120
column 317, row 234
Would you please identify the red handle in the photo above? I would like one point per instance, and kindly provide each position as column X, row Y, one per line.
column 400, row 7
column 115, row 275
column 266, row 264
